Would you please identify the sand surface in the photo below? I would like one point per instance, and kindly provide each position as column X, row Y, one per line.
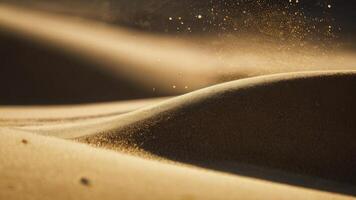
column 280, row 125
column 73, row 171
column 40, row 115
column 275, row 140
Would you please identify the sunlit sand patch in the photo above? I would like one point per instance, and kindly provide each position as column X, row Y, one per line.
column 88, row 173
column 44, row 115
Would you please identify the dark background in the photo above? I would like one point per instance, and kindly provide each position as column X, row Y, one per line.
column 60, row 78
column 153, row 14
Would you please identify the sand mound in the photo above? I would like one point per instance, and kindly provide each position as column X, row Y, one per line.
column 300, row 122
column 37, row 167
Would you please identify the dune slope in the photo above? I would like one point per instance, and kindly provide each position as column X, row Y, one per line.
column 38, row 167
column 59, row 114
column 300, row 122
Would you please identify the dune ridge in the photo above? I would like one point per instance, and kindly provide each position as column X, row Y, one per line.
column 44, row 115
column 294, row 122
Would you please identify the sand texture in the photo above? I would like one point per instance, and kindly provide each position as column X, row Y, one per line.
column 308, row 130
column 115, row 113
column 73, row 171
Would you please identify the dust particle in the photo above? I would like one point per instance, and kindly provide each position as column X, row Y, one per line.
column 24, row 141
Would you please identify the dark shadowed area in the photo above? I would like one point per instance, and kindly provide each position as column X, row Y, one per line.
column 33, row 73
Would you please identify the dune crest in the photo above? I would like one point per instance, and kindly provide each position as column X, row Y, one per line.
column 62, row 114
column 296, row 122
column 293, row 122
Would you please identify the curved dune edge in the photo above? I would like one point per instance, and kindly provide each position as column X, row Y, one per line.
column 185, row 64
column 48, row 166
column 285, row 121
column 292, row 122
column 120, row 51
column 44, row 115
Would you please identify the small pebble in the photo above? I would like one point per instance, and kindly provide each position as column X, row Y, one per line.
column 85, row 181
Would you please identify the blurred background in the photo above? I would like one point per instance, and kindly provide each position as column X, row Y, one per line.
column 86, row 51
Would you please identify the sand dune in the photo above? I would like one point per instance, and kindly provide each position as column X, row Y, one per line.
column 282, row 136
column 73, row 171
column 130, row 64
column 294, row 122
